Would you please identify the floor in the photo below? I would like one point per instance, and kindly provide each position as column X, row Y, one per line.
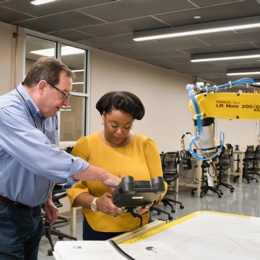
column 244, row 200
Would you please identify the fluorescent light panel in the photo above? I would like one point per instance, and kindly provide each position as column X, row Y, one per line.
column 78, row 83
column 66, row 50
column 243, row 72
column 75, row 71
column 225, row 56
column 196, row 29
column 41, row 2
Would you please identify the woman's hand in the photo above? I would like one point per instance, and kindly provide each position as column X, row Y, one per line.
column 106, row 205
column 143, row 210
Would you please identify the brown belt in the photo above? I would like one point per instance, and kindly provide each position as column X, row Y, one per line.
column 17, row 204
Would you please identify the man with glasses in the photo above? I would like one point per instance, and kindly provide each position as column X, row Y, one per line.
column 64, row 95
column 30, row 160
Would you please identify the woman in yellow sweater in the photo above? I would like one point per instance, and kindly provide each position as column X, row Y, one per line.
column 120, row 152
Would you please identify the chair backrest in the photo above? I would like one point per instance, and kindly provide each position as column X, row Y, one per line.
column 229, row 148
column 257, row 152
column 58, row 193
column 161, row 156
column 69, row 149
column 250, row 152
column 225, row 155
column 170, row 162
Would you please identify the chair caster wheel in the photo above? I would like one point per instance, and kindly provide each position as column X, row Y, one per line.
column 219, row 196
column 50, row 252
column 170, row 218
column 173, row 211
column 182, row 207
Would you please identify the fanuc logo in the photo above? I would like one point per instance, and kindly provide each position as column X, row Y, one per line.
column 227, row 104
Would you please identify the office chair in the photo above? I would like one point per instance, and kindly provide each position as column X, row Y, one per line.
column 49, row 231
column 224, row 163
column 205, row 179
column 249, row 165
column 257, row 159
column 256, row 162
column 170, row 162
column 160, row 211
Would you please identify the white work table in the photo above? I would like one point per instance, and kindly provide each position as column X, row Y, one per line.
column 201, row 235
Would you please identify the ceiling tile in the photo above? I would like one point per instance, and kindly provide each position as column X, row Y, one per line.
column 109, row 25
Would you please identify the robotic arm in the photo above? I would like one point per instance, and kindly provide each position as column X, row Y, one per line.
column 206, row 105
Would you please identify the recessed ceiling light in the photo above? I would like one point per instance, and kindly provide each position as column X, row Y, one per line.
column 41, row 2
column 197, row 17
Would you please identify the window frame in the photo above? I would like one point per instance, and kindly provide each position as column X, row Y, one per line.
column 86, row 76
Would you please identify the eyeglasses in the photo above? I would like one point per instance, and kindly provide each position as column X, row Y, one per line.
column 65, row 95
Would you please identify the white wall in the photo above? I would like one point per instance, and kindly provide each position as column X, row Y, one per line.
column 239, row 132
column 12, row 56
column 163, row 93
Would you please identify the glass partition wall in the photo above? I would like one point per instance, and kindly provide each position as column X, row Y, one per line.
column 73, row 123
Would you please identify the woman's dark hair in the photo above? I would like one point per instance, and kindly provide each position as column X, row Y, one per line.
column 121, row 100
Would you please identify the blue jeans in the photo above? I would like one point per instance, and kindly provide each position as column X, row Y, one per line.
column 20, row 232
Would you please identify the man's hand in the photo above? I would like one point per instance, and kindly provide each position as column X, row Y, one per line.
column 96, row 173
column 51, row 212
column 110, row 180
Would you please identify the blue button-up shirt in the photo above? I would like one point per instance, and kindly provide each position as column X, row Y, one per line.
column 30, row 160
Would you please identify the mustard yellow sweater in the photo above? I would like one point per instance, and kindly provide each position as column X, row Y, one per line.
column 140, row 159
